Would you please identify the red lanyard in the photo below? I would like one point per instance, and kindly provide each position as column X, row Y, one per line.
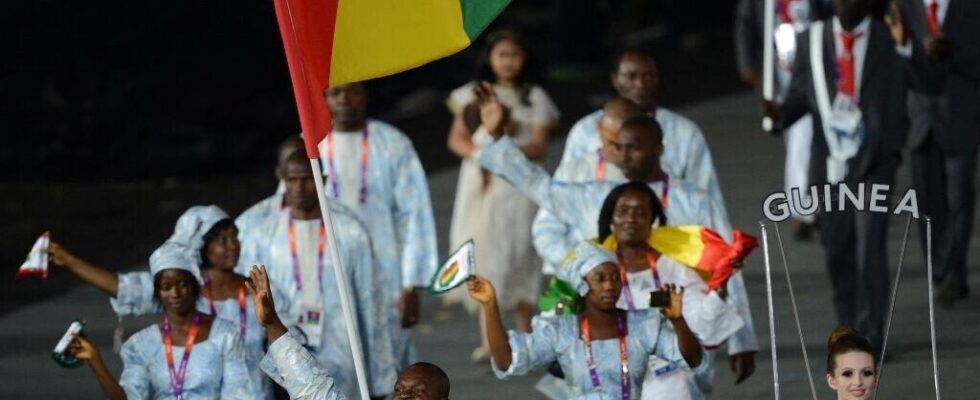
column 623, row 352
column 365, row 157
column 651, row 262
column 321, row 246
column 663, row 197
column 242, row 305
column 600, row 168
column 177, row 376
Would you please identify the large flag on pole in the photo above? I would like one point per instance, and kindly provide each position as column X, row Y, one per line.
column 333, row 42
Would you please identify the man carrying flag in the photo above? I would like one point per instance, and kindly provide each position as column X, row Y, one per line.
column 330, row 43
column 372, row 168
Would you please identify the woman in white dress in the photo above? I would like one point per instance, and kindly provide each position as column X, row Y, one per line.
column 487, row 209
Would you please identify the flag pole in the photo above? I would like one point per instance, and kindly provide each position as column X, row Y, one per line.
column 341, row 278
column 768, row 46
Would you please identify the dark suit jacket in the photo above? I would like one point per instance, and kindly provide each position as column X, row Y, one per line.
column 881, row 99
column 945, row 97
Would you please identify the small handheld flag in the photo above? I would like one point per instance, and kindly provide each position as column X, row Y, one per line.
column 36, row 263
column 456, row 270
column 60, row 353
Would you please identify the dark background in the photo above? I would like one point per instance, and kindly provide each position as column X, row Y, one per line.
column 119, row 115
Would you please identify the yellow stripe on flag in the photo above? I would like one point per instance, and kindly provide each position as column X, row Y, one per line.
column 380, row 37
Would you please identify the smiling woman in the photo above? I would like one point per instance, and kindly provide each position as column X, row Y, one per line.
column 150, row 357
column 604, row 351
column 851, row 370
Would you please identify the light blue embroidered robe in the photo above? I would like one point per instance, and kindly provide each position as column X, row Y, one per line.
column 578, row 205
column 216, row 367
column 294, row 368
column 557, row 338
column 397, row 213
column 366, row 288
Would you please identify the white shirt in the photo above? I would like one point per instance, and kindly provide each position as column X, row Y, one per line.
column 940, row 12
column 860, row 49
column 349, row 183
column 307, row 237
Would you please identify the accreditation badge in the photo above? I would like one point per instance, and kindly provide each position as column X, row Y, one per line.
column 310, row 326
column 665, row 380
column 845, row 116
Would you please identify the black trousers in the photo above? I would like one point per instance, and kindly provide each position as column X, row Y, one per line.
column 943, row 181
column 855, row 243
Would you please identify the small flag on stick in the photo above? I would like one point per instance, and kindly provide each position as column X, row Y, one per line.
column 36, row 263
column 455, row 271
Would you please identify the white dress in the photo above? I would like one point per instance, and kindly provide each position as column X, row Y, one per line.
column 496, row 216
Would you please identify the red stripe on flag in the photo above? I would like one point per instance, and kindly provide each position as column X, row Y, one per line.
column 307, row 29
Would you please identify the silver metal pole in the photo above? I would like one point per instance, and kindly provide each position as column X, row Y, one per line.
column 891, row 304
column 342, row 289
column 772, row 315
column 932, row 307
column 796, row 315
column 768, row 47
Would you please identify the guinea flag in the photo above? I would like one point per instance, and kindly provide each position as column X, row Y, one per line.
column 456, row 270
column 700, row 248
column 333, row 42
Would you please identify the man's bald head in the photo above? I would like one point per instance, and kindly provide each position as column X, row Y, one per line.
column 614, row 113
column 287, row 147
column 422, row 381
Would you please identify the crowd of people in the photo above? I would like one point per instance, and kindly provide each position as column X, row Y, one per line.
column 249, row 304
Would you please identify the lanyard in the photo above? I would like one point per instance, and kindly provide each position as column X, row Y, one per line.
column 651, row 262
column 177, row 376
column 623, row 353
column 242, row 305
column 663, row 197
column 600, row 168
column 321, row 245
column 365, row 156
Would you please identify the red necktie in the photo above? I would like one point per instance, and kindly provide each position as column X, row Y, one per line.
column 782, row 11
column 845, row 65
column 932, row 19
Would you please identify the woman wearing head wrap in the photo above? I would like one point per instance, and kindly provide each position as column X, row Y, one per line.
column 603, row 352
column 189, row 355
column 212, row 238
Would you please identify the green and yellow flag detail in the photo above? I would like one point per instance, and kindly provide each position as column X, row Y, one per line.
column 334, row 42
column 456, row 270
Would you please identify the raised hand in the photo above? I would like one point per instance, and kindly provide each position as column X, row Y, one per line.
column 82, row 349
column 265, row 309
column 481, row 290
column 895, row 25
column 491, row 110
column 59, row 256
column 673, row 310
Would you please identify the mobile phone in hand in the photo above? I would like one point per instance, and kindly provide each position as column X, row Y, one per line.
column 659, row 299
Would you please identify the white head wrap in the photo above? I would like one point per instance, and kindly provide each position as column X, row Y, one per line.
column 193, row 224
column 173, row 255
column 585, row 257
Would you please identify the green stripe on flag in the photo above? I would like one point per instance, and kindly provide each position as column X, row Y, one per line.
column 477, row 14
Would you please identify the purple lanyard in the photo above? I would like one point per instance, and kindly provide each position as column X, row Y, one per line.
column 321, row 246
column 365, row 157
column 623, row 276
column 623, row 353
